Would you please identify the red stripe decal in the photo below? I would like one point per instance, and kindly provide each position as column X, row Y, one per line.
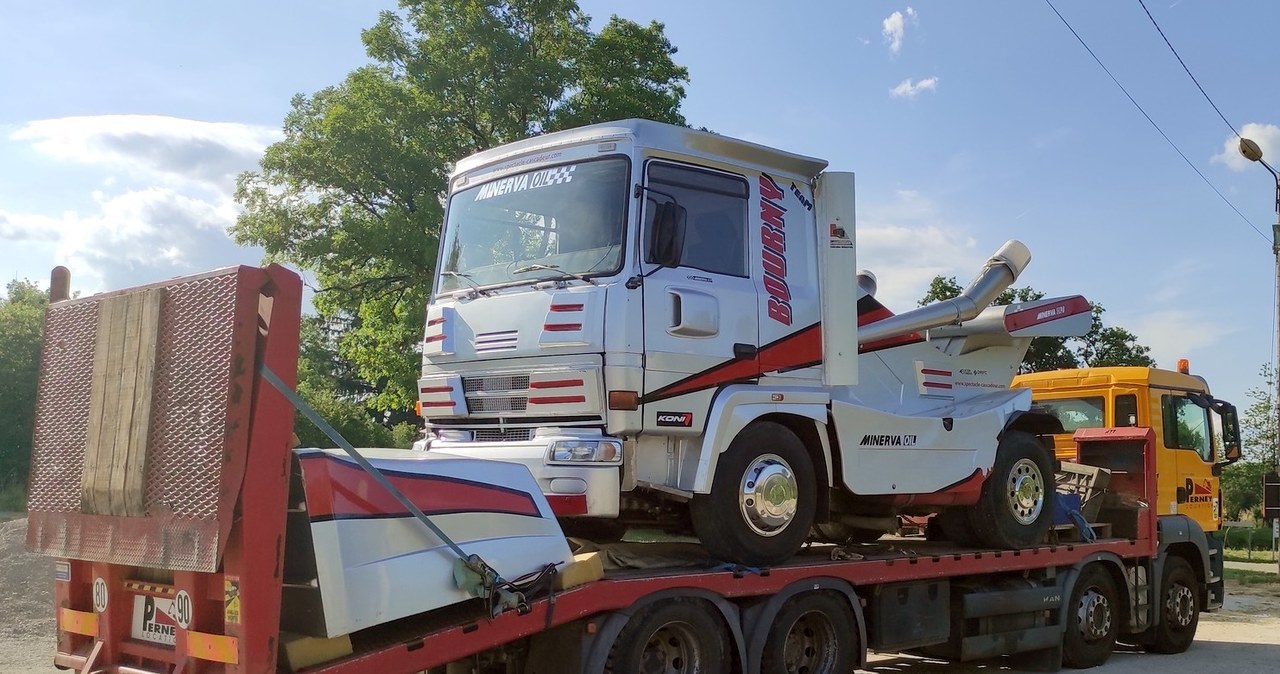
column 434, row 338
column 337, row 489
column 936, row 384
column 435, row 321
column 1045, row 313
column 799, row 349
column 443, row 403
column 555, row 400
column 940, row 373
column 436, row 389
column 566, row 307
column 562, row 327
column 558, row 383
column 568, row 504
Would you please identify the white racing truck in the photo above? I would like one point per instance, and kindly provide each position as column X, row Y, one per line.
column 667, row 326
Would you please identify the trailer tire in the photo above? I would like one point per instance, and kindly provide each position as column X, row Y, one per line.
column 1093, row 619
column 762, row 501
column 1179, row 608
column 1016, row 505
column 686, row 636
column 815, row 632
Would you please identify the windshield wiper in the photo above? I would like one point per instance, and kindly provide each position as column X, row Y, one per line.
column 465, row 278
column 555, row 268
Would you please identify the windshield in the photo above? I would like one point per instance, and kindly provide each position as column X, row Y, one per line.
column 546, row 223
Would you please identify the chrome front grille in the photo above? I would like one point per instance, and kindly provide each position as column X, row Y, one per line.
column 497, row 393
column 503, row 434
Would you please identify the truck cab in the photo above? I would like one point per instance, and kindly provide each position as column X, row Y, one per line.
column 1195, row 434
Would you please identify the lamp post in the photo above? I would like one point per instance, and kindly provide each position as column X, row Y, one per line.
column 1253, row 153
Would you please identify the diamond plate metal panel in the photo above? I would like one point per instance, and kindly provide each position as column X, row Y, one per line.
column 199, row 426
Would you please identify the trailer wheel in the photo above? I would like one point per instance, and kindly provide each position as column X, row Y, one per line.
column 1093, row 619
column 1016, row 506
column 762, row 499
column 1179, row 608
column 814, row 633
column 676, row 636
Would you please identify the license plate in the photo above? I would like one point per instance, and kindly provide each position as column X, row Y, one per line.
column 154, row 620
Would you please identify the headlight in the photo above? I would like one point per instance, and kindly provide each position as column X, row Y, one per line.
column 453, row 435
column 421, row 445
column 586, row 451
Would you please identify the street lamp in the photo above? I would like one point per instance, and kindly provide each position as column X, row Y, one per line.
column 1252, row 152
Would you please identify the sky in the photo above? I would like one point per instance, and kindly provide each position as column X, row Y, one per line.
column 124, row 124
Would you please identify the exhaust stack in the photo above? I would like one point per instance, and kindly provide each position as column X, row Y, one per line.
column 997, row 274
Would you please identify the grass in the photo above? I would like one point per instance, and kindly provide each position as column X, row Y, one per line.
column 13, row 498
column 1244, row 577
column 1241, row 555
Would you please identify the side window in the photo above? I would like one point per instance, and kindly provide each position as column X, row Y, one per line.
column 1075, row 413
column 715, row 238
column 1186, row 426
column 1126, row 410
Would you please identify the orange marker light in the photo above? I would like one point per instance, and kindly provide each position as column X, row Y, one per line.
column 624, row 400
column 1184, row 366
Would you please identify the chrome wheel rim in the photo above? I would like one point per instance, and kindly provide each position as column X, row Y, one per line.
column 1093, row 615
column 1026, row 491
column 768, row 495
column 811, row 644
column 1179, row 606
column 673, row 648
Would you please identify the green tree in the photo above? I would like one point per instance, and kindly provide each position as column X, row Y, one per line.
column 21, row 325
column 353, row 192
column 1102, row 346
column 1242, row 481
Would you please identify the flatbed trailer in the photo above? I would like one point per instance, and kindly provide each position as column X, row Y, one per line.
column 194, row 569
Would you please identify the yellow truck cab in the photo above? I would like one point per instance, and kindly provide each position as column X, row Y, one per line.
column 1196, row 434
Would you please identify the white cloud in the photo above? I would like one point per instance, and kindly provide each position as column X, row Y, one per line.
column 161, row 205
column 907, row 89
column 152, row 147
column 1267, row 136
column 1174, row 333
column 895, row 26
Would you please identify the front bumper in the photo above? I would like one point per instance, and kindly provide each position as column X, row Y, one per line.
column 573, row 489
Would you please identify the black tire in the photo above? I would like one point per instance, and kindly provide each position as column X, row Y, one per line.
column 722, row 519
column 952, row 525
column 1178, row 610
column 1093, row 619
column 1016, row 505
column 686, row 636
column 814, row 633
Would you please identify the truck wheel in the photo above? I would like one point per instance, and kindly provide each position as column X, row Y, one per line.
column 762, row 498
column 1093, row 619
column 676, row 636
column 814, row 633
column 594, row 529
column 1016, row 506
column 1179, row 608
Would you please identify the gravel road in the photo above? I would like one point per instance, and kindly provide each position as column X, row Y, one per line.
column 1244, row 637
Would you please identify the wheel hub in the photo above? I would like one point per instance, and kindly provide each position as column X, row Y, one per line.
column 1026, row 491
column 768, row 495
column 1093, row 616
column 1179, row 606
column 673, row 649
column 811, row 644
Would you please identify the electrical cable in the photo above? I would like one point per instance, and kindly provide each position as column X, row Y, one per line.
column 1154, row 125
column 1184, row 67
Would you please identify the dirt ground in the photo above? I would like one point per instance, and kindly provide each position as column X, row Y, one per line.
column 1244, row 637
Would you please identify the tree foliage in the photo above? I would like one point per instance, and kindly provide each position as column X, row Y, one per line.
column 21, row 324
column 1102, row 346
column 1242, row 481
column 353, row 193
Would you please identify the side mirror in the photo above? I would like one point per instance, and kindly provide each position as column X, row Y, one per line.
column 666, row 239
column 1230, row 431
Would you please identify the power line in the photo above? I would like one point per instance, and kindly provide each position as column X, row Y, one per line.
column 1184, row 67
column 1154, row 125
